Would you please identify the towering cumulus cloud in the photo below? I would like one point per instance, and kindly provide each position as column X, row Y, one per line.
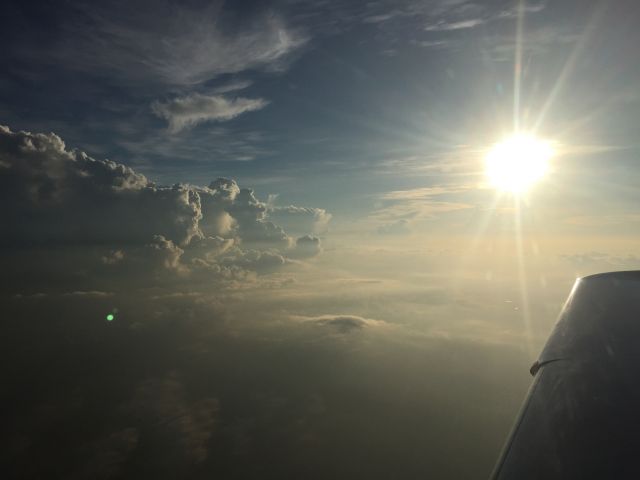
column 59, row 198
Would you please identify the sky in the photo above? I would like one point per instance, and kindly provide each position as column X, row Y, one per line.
column 256, row 239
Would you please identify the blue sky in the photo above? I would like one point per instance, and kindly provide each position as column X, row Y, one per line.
column 337, row 91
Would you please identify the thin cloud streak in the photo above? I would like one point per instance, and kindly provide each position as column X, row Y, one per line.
column 191, row 110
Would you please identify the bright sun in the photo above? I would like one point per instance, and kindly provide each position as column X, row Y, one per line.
column 517, row 162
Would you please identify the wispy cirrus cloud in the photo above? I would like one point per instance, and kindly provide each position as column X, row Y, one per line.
column 188, row 111
column 233, row 86
column 179, row 45
column 441, row 19
column 467, row 15
column 444, row 26
column 216, row 142
column 400, row 208
column 423, row 193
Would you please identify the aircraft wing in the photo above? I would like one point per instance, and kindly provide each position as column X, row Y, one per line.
column 581, row 417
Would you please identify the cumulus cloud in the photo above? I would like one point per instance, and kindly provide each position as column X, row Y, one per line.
column 261, row 261
column 164, row 253
column 184, row 112
column 107, row 218
column 300, row 220
column 251, row 217
column 57, row 196
column 113, row 257
column 207, row 248
column 306, row 246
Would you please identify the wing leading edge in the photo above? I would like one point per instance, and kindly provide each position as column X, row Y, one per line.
column 581, row 417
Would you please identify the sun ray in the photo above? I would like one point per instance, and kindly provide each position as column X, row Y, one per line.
column 522, row 279
column 517, row 66
column 569, row 65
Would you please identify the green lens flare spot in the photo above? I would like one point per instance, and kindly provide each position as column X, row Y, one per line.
column 110, row 317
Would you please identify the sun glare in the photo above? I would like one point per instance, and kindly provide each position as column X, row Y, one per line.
column 518, row 162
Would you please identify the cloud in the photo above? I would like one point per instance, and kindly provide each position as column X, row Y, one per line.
column 596, row 262
column 233, row 86
column 306, row 247
column 466, row 15
column 163, row 253
column 107, row 222
column 179, row 44
column 444, row 26
column 220, row 141
column 300, row 220
column 341, row 323
column 426, row 202
column 430, row 43
column 250, row 215
column 469, row 15
column 514, row 11
column 61, row 196
column 442, row 21
column 540, row 40
column 423, row 193
column 381, row 18
column 193, row 109
column 255, row 260
column 90, row 293
column 399, row 227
